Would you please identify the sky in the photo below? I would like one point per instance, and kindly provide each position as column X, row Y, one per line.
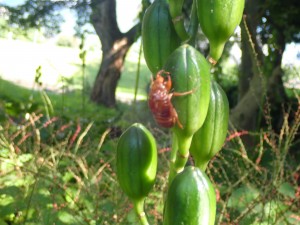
column 126, row 14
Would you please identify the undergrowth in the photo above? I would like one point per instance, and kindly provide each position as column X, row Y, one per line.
column 260, row 184
column 57, row 165
column 58, row 171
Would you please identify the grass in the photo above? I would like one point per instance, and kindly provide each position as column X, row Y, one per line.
column 61, row 67
column 60, row 171
column 57, row 154
column 56, row 144
column 61, row 78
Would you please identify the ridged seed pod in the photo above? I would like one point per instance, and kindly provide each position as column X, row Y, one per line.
column 209, row 139
column 158, row 34
column 191, row 199
column 136, row 161
column 218, row 20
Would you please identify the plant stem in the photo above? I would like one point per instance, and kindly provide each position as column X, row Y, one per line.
column 178, row 18
column 139, row 209
column 174, row 148
column 193, row 26
column 202, row 165
column 182, row 155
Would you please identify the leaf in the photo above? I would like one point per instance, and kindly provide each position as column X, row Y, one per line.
column 132, row 217
column 241, row 197
column 4, row 153
column 273, row 208
column 287, row 190
column 66, row 217
column 25, row 157
column 293, row 218
column 41, row 200
column 2, row 222
column 11, row 208
column 10, row 190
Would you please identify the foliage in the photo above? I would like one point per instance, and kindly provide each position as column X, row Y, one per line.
column 57, row 157
column 59, row 168
column 44, row 14
column 46, row 184
column 62, row 171
column 259, row 184
column 279, row 16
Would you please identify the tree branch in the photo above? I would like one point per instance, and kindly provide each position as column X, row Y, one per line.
column 104, row 20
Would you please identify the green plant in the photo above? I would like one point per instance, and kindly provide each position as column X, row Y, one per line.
column 209, row 139
column 218, row 20
column 158, row 34
column 258, row 185
column 60, row 168
column 136, row 165
column 190, row 196
column 43, row 181
column 189, row 71
column 191, row 199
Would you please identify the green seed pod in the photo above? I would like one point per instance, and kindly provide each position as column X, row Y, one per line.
column 189, row 72
column 136, row 161
column 158, row 34
column 218, row 20
column 191, row 199
column 209, row 139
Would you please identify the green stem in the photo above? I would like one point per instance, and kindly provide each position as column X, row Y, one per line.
column 202, row 165
column 178, row 18
column 139, row 209
column 83, row 67
column 193, row 26
column 215, row 52
column 174, row 148
column 182, row 155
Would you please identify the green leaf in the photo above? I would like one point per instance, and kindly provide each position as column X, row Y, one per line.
column 2, row 222
column 273, row 208
column 11, row 208
column 132, row 218
column 241, row 197
column 287, row 190
column 67, row 218
column 4, row 153
column 41, row 200
column 25, row 157
column 10, row 190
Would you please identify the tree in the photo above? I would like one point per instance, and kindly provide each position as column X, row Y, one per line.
column 273, row 23
column 115, row 45
column 102, row 15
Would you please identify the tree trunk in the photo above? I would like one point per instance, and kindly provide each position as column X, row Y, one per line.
column 115, row 46
column 109, row 73
column 248, row 36
column 244, row 115
column 260, row 78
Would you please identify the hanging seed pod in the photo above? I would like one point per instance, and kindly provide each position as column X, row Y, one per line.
column 158, row 34
column 189, row 72
column 209, row 139
column 218, row 20
column 191, row 199
column 136, row 161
